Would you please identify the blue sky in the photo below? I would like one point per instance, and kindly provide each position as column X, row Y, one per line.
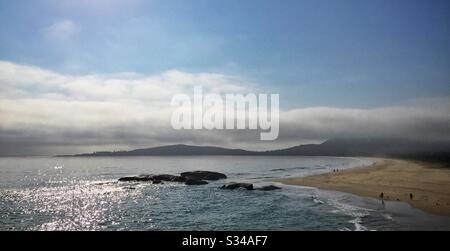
column 314, row 53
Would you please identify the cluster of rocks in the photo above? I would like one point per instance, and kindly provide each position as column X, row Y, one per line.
column 189, row 178
column 248, row 186
column 195, row 178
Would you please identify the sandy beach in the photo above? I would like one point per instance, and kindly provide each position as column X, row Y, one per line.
column 429, row 183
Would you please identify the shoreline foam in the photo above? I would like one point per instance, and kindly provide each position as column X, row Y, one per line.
column 396, row 179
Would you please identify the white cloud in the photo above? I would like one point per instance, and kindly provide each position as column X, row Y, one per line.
column 62, row 30
column 416, row 121
column 42, row 109
column 39, row 105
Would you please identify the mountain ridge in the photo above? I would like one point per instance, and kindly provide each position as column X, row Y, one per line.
column 332, row 147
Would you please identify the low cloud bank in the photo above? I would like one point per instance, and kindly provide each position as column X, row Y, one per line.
column 44, row 112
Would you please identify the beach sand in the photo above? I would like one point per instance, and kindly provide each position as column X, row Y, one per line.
column 396, row 179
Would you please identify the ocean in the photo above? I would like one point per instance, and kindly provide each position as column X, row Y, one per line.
column 75, row 193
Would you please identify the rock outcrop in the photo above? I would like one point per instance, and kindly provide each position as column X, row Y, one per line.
column 268, row 188
column 232, row 186
column 189, row 178
column 195, row 182
column 143, row 177
column 204, row 175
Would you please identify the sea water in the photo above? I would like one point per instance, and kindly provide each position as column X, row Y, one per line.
column 74, row 193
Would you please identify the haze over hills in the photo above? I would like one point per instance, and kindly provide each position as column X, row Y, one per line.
column 173, row 150
column 332, row 147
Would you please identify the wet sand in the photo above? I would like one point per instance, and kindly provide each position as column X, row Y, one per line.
column 429, row 183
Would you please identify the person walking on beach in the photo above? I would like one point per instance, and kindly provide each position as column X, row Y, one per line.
column 382, row 197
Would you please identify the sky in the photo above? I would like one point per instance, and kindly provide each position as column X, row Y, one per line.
column 79, row 76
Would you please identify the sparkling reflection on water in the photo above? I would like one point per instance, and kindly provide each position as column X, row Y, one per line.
column 83, row 194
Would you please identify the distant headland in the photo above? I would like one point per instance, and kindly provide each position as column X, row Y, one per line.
column 333, row 147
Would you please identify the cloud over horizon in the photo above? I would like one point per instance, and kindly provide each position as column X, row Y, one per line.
column 46, row 112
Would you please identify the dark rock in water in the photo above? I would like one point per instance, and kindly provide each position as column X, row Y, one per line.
column 268, row 188
column 247, row 186
column 195, row 182
column 179, row 179
column 164, row 177
column 127, row 179
column 190, row 178
column 137, row 178
column 151, row 177
column 204, row 175
column 129, row 188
